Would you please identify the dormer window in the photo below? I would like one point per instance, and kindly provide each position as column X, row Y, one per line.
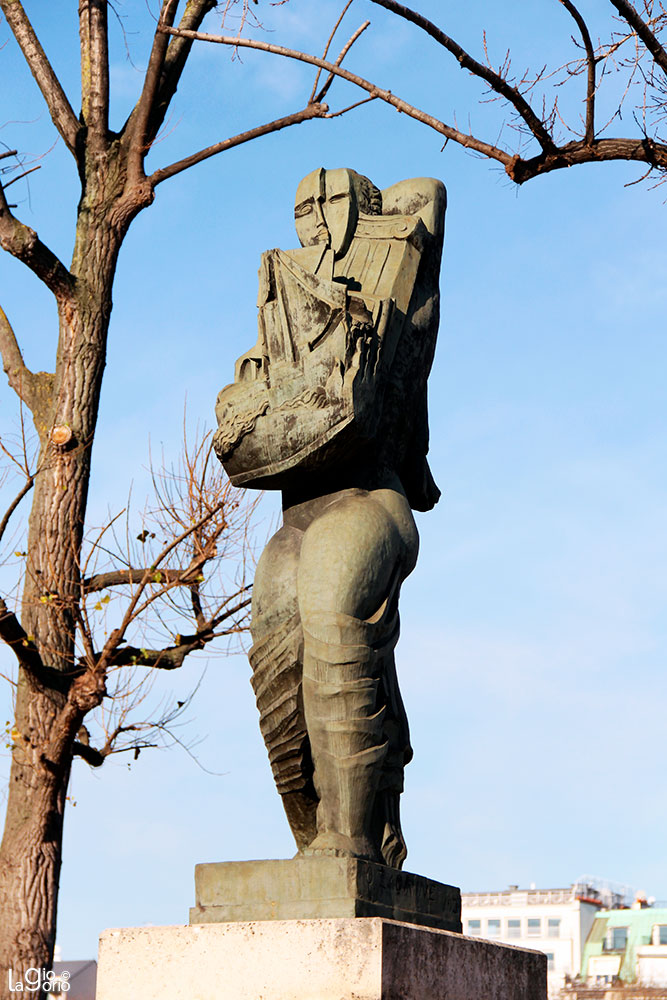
column 659, row 935
column 616, row 939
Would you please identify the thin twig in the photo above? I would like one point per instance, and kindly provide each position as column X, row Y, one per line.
column 346, row 48
column 21, row 176
column 351, row 107
column 25, row 489
column 336, row 26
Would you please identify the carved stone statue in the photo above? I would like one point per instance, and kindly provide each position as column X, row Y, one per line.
column 330, row 408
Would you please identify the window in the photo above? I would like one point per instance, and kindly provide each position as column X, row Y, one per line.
column 551, row 964
column 514, row 928
column 474, row 927
column 616, row 939
column 662, row 934
column 493, row 928
column 534, row 927
column 553, row 927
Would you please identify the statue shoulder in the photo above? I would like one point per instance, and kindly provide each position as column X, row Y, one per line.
column 423, row 197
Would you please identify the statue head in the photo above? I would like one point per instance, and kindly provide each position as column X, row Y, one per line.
column 327, row 207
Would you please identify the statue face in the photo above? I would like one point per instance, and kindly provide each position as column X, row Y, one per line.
column 326, row 210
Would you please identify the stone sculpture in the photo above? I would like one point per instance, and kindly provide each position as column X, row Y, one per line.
column 330, row 408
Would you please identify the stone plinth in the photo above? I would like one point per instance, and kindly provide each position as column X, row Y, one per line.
column 307, row 888
column 345, row 959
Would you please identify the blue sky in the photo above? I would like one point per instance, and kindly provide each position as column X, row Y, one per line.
column 532, row 656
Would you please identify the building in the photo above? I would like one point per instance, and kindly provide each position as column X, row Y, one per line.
column 75, row 980
column 627, row 946
column 555, row 921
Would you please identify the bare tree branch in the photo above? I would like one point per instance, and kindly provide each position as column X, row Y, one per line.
column 494, row 80
column 575, row 153
column 60, row 109
column 552, row 157
column 25, row 489
column 33, row 388
column 174, row 63
column 470, row 141
column 94, row 757
column 627, row 11
column 197, row 610
column 20, row 177
column 91, row 756
column 94, row 38
column 137, row 127
column 311, row 111
column 590, row 60
column 172, row 657
column 327, row 47
column 23, row 243
column 344, row 51
column 351, row 107
column 123, row 577
column 134, row 608
column 19, row 375
column 13, row 634
column 27, row 654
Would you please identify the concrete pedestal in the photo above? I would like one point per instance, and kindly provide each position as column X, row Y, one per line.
column 337, row 959
column 309, row 888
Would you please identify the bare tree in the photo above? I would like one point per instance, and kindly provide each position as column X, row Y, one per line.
column 66, row 667
column 144, row 600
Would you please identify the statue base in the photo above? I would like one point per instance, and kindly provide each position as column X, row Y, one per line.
column 308, row 888
column 369, row 959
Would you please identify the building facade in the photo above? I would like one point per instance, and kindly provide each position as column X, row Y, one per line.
column 627, row 946
column 555, row 921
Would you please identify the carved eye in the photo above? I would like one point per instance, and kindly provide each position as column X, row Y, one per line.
column 305, row 208
column 338, row 197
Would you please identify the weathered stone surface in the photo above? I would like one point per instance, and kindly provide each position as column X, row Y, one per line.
column 314, row 887
column 329, row 407
column 371, row 959
column 332, row 315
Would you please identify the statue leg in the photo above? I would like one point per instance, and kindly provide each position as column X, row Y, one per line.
column 350, row 570
column 276, row 661
column 387, row 819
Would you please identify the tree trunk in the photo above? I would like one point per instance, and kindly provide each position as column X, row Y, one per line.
column 48, row 713
column 31, row 850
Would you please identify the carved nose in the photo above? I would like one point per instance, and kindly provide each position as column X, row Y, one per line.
column 322, row 230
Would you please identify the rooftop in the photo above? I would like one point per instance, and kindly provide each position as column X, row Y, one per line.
column 597, row 892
